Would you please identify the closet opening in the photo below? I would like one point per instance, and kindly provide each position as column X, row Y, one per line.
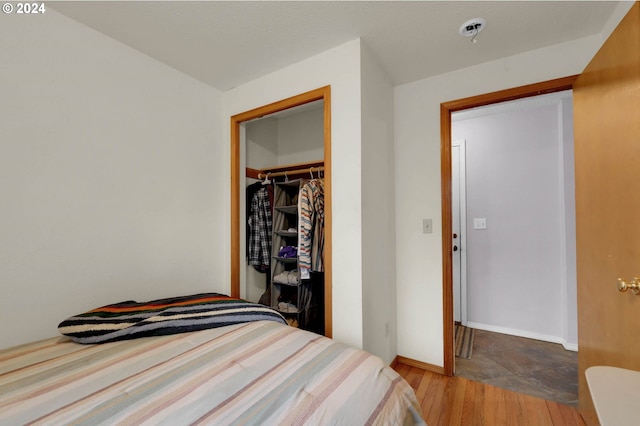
column 280, row 155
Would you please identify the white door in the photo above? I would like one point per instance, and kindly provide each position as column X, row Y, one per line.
column 459, row 219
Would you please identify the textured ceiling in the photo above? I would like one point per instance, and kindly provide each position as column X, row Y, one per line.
column 225, row 44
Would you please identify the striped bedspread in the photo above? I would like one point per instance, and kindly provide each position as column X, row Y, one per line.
column 261, row 373
column 132, row 320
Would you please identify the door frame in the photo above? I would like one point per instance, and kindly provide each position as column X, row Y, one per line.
column 324, row 94
column 462, row 166
column 446, row 108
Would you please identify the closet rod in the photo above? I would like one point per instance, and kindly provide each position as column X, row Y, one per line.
column 293, row 172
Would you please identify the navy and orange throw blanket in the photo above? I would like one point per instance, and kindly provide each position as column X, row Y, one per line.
column 130, row 320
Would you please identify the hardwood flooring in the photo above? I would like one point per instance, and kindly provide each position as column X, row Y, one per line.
column 450, row 401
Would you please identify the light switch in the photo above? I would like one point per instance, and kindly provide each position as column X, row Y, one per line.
column 479, row 223
column 427, row 226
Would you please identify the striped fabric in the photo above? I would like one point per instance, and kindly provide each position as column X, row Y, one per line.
column 130, row 320
column 311, row 226
column 258, row 373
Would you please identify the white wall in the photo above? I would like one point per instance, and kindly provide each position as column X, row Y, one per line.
column 340, row 68
column 262, row 143
column 292, row 138
column 378, row 224
column 301, row 137
column 417, row 172
column 516, row 180
column 111, row 175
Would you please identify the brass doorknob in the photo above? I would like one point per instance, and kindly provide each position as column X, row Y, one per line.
column 633, row 285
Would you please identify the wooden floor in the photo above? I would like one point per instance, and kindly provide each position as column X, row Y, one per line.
column 455, row 400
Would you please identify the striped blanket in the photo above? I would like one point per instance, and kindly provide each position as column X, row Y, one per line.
column 257, row 373
column 130, row 320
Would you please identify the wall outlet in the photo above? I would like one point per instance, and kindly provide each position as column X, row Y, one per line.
column 480, row 223
column 427, row 226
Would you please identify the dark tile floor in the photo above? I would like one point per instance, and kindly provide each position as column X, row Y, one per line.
column 542, row 369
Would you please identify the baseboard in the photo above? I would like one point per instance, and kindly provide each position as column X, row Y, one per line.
column 569, row 346
column 527, row 334
column 413, row 363
column 394, row 363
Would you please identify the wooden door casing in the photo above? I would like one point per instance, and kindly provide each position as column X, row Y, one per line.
column 607, row 158
column 323, row 93
column 446, row 108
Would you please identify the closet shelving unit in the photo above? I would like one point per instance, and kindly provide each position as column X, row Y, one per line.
column 285, row 233
column 285, row 222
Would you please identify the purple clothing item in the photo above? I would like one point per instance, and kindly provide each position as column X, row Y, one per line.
column 288, row 251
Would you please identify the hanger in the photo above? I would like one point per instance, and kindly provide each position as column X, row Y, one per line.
column 286, row 178
column 311, row 172
column 266, row 180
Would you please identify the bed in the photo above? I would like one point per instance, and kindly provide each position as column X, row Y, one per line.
column 249, row 370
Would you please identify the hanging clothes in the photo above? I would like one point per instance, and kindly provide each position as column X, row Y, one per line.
column 251, row 191
column 260, row 223
column 311, row 227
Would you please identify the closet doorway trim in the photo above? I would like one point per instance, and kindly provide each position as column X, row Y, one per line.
column 323, row 93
